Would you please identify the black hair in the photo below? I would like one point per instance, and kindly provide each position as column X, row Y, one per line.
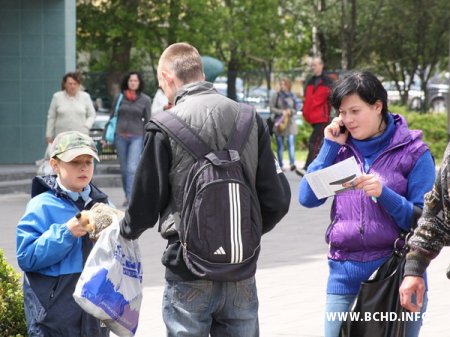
column 362, row 83
column 124, row 83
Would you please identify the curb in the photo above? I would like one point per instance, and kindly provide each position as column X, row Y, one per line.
column 16, row 179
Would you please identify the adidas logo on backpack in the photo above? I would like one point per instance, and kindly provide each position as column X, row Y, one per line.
column 220, row 207
column 220, row 251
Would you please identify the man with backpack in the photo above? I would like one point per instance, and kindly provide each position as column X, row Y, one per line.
column 208, row 174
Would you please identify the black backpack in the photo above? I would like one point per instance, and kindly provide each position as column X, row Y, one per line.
column 221, row 225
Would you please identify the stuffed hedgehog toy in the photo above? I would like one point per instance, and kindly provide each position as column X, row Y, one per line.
column 98, row 218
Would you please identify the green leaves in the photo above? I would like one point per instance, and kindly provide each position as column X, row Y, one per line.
column 434, row 127
column 12, row 316
column 247, row 33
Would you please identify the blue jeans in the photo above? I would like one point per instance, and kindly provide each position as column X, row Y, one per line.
column 291, row 149
column 342, row 303
column 201, row 308
column 129, row 149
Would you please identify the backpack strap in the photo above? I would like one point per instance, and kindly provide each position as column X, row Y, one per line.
column 242, row 128
column 192, row 143
column 182, row 134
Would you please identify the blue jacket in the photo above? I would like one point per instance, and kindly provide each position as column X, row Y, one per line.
column 53, row 260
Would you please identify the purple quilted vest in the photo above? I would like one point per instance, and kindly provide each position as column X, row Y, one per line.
column 361, row 230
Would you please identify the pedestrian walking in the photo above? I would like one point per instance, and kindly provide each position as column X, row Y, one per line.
column 133, row 112
column 283, row 107
column 316, row 108
column 71, row 109
column 52, row 246
column 196, row 304
column 369, row 215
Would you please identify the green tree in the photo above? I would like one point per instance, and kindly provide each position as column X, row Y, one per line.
column 249, row 34
column 116, row 33
column 245, row 34
column 341, row 30
column 412, row 46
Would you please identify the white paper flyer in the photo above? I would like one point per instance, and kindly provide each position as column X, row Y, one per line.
column 328, row 181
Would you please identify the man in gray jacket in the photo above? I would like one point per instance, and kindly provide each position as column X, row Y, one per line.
column 192, row 306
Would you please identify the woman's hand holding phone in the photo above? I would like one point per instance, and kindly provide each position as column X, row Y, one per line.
column 336, row 131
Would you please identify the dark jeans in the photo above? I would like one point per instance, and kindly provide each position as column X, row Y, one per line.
column 315, row 142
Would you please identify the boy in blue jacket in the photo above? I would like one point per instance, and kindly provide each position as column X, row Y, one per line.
column 52, row 246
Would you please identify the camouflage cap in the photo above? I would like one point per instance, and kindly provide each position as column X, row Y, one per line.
column 71, row 144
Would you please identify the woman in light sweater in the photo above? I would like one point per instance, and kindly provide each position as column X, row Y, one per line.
column 70, row 109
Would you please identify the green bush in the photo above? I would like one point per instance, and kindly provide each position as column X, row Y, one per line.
column 304, row 132
column 434, row 127
column 12, row 315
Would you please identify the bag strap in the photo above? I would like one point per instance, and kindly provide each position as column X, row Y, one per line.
column 116, row 108
column 192, row 143
column 405, row 235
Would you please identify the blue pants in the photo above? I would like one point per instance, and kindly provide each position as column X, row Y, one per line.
column 291, row 149
column 129, row 149
column 200, row 308
column 342, row 303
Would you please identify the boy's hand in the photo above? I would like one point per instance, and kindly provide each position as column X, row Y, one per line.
column 98, row 218
column 76, row 228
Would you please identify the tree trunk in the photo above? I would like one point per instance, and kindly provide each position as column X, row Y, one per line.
column 173, row 22
column 233, row 67
column 344, row 60
column 121, row 53
column 348, row 32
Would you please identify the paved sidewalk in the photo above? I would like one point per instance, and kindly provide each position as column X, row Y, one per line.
column 292, row 301
column 291, row 280
column 291, row 277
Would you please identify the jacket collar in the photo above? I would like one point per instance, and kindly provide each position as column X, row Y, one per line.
column 192, row 89
column 41, row 184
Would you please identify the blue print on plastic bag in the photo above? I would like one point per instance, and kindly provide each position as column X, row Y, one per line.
column 111, row 301
column 130, row 268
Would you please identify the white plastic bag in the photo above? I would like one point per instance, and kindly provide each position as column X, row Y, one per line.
column 110, row 286
column 43, row 164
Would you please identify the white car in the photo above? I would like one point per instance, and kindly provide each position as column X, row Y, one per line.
column 415, row 95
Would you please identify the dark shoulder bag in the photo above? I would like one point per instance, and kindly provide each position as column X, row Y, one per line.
column 380, row 296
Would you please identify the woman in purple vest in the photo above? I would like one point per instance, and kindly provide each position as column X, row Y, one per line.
column 397, row 170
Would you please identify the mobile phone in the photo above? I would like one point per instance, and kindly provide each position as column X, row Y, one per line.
column 342, row 128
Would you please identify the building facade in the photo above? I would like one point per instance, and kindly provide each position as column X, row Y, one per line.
column 37, row 47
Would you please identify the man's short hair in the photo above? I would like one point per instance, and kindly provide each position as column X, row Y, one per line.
column 184, row 61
